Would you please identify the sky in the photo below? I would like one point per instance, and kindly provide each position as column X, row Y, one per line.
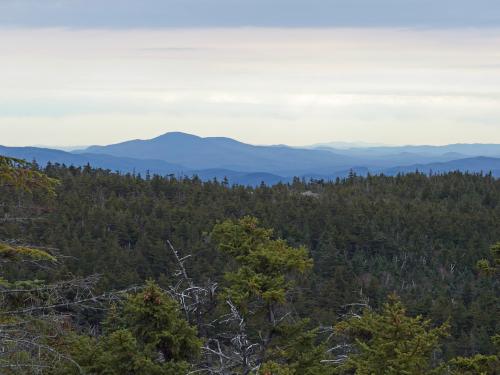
column 76, row 72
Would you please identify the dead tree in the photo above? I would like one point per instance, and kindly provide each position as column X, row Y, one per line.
column 232, row 351
column 228, row 348
column 193, row 299
column 35, row 314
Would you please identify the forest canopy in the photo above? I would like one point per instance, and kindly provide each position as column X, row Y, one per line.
column 303, row 278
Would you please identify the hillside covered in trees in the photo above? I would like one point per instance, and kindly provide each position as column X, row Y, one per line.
column 364, row 275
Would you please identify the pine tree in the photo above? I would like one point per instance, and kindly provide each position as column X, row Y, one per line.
column 257, row 289
column 265, row 266
column 29, row 320
column 490, row 268
column 391, row 342
column 21, row 175
column 145, row 336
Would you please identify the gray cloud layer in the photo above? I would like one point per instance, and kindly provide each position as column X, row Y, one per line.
column 270, row 13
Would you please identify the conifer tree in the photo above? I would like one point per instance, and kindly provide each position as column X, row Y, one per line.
column 265, row 266
column 145, row 336
column 34, row 313
column 390, row 342
column 28, row 321
column 257, row 288
column 492, row 267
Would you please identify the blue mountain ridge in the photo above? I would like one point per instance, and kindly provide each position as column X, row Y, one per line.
column 198, row 153
column 139, row 166
column 183, row 154
column 478, row 164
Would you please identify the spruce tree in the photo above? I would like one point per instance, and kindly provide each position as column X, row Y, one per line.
column 258, row 286
column 390, row 342
column 145, row 336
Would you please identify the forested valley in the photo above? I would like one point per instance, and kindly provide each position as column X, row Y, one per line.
column 105, row 273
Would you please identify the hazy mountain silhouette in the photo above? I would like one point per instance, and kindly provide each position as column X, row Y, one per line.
column 479, row 164
column 452, row 150
column 183, row 154
column 129, row 165
column 197, row 153
column 225, row 153
column 44, row 155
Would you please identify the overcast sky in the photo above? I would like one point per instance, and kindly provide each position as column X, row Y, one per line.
column 76, row 72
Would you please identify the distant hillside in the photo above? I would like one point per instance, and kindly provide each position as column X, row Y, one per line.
column 384, row 159
column 122, row 164
column 473, row 165
column 240, row 178
column 129, row 165
column 217, row 157
column 224, row 153
column 452, row 150
column 197, row 153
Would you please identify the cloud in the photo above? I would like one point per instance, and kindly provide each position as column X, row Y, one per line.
column 295, row 86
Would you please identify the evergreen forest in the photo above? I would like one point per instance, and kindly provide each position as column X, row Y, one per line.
column 108, row 273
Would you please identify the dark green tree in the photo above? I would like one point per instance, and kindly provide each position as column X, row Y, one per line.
column 264, row 266
column 29, row 318
column 390, row 342
column 145, row 336
column 257, row 288
column 491, row 267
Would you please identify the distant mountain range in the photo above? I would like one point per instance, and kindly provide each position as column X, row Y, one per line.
column 123, row 164
column 198, row 153
column 476, row 164
column 217, row 157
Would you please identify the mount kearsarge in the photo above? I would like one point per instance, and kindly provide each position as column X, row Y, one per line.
column 218, row 157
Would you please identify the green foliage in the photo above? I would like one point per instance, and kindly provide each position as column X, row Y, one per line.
column 27, row 345
column 27, row 323
column 273, row 368
column 490, row 268
column 477, row 365
column 154, row 320
column 145, row 336
column 296, row 350
column 120, row 353
column 21, row 175
column 391, row 342
column 17, row 253
column 260, row 285
column 264, row 264
column 417, row 235
column 420, row 236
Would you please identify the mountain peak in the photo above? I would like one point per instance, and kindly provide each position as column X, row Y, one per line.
column 177, row 136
